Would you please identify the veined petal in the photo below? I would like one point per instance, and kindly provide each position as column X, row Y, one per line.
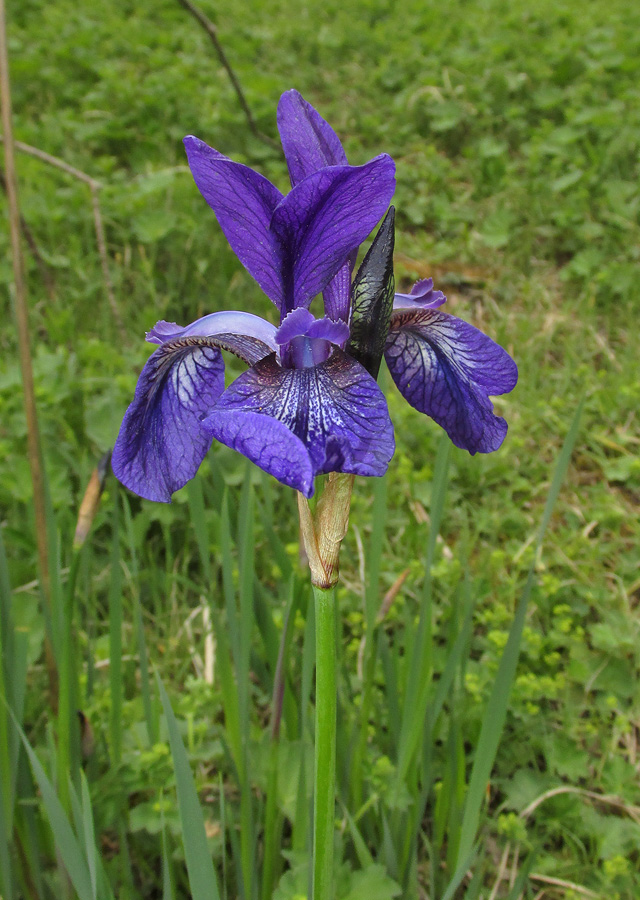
column 337, row 293
column 161, row 441
column 298, row 423
column 309, row 143
column 243, row 201
column 325, row 217
column 247, row 336
column 446, row 368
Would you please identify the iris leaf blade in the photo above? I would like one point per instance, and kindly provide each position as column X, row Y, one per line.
column 202, row 877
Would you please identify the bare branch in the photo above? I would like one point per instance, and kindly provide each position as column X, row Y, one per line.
column 212, row 31
column 24, row 346
column 45, row 272
column 94, row 186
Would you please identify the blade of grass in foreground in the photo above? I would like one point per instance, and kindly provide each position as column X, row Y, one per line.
column 224, row 653
column 202, row 877
column 246, row 618
column 496, row 711
column 150, row 709
column 115, row 641
column 419, row 650
column 65, row 840
column 372, row 605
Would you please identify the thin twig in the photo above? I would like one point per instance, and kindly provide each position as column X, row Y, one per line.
column 27, row 234
column 391, row 595
column 632, row 811
column 501, row 870
column 569, row 885
column 212, row 31
column 94, row 186
column 55, row 162
column 24, row 346
column 104, row 259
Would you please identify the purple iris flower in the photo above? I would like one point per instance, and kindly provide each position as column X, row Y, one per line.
column 309, row 403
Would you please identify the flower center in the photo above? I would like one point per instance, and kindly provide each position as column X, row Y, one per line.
column 302, row 352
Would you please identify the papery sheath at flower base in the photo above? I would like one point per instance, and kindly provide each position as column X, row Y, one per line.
column 309, row 403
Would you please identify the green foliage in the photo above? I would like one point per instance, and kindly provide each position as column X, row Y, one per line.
column 516, row 129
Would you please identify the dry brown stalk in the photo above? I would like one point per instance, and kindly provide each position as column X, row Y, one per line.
column 568, row 885
column 24, row 347
column 45, row 272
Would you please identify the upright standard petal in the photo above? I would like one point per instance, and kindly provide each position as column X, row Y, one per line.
column 325, row 217
column 446, row 368
column 243, row 202
column 337, row 294
column 309, row 143
column 161, row 441
column 298, row 423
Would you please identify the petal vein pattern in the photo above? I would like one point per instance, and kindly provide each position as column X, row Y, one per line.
column 446, row 368
column 297, row 423
column 324, row 217
column 161, row 442
column 308, row 141
column 243, row 201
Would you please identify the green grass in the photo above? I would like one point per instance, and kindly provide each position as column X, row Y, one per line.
column 516, row 131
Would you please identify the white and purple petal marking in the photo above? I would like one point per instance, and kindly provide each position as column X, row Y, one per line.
column 161, row 442
column 448, row 369
column 298, row 423
column 247, row 336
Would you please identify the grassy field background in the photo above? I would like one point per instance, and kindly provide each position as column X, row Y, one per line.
column 516, row 132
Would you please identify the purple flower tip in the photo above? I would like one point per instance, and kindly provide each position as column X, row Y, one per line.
column 421, row 296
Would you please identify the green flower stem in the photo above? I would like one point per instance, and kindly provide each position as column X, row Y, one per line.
column 325, row 749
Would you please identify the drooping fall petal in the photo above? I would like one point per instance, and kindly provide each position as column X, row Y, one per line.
column 161, row 442
column 298, row 423
column 448, row 369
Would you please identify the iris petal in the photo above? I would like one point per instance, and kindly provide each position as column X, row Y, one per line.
column 324, row 217
column 337, row 294
column 421, row 296
column 446, row 368
column 309, row 143
column 243, row 201
column 247, row 336
column 161, row 441
column 298, row 423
